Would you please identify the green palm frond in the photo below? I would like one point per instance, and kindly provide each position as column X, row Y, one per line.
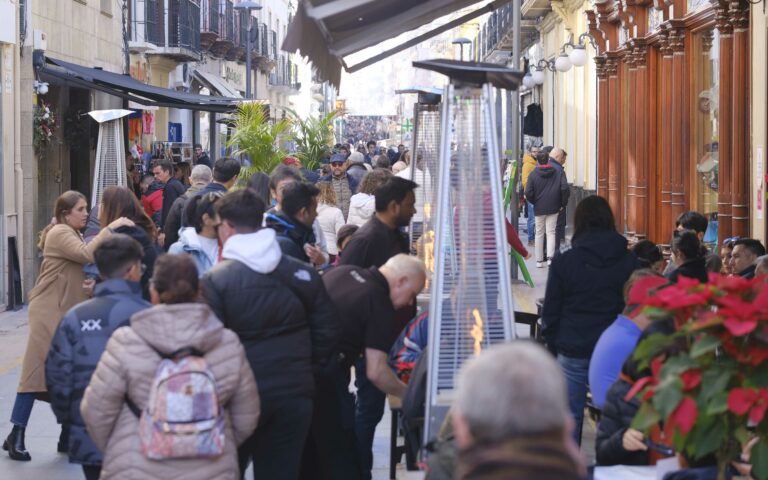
column 257, row 137
column 313, row 137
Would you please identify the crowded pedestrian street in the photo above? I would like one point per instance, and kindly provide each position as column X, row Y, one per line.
column 383, row 240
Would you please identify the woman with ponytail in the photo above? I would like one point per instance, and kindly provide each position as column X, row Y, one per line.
column 59, row 287
column 119, row 392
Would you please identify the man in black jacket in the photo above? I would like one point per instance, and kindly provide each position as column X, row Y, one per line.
column 199, row 178
column 82, row 337
column 173, row 189
column 293, row 223
column 548, row 191
column 279, row 308
column 557, row 160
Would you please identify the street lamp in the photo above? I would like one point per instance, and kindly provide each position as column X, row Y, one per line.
column 461, row 41
column 246, row 7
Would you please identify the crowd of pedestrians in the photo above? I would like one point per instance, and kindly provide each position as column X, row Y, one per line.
column 239, row 345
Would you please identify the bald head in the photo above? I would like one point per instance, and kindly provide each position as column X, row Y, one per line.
column 559, row 155
column 406, row 276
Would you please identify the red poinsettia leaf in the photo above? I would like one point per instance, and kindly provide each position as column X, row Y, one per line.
column 733, row 284
column 656, row 365
column 740, row 400
column 637, row 387
column 691, row 379
column 687, row 282
column 740, row 327
column 648, row 395
column 684, row 416
column 757, row 413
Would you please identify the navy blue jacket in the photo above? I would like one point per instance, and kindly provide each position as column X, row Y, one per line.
column 291, row 235
column 75, row 351
column 585, row 291
column 547, row 189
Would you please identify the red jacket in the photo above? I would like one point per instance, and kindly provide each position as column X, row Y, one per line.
column 153, row 202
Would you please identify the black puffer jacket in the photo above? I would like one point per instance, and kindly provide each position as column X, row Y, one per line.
column 547, row 189
column 291, row 235
column 695, row 268
column 616, row 418
column 585, row 292
column 279, row 308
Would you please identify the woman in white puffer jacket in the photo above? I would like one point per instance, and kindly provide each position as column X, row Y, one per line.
column 329, row 216
column 362, row 205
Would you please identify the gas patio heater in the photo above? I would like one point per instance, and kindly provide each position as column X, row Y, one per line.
column 470, row 303
column 110, row 167
column 423, row 170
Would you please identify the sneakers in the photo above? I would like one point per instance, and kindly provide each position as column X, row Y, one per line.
column 539, row 264
column 531, row 243
column 549, row 262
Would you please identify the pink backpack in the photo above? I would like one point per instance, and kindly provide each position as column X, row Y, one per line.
column 183, row 418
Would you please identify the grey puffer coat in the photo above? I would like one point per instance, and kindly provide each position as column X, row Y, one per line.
column 128, row 367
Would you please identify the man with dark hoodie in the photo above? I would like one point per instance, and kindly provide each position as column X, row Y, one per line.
column 293, row 223
column 547, row 190
column 82, row 336
column 279, row 308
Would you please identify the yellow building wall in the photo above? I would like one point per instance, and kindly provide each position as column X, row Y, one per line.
column 759, row 122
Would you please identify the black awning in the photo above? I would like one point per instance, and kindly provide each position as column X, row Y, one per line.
column 126, row 87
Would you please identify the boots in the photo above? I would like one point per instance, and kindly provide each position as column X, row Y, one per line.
column 14, row 445
column 63, row 446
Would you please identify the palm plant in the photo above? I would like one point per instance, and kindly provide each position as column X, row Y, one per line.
column 313, row 137
column 257, row 137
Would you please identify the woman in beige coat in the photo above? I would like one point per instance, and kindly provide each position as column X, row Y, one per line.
column 58, row 288
column 128, row 366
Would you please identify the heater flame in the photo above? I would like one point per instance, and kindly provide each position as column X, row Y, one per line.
column 477, row 331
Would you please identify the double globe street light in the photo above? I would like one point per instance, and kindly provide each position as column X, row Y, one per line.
column 578, row 57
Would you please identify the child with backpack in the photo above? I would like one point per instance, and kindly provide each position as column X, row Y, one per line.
column 173, row 395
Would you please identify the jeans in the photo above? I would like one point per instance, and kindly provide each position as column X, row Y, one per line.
column 548, row 222
column 368, row 413
column 92, row 472
column 22, row 409
column 277, row 444
column 576, row 371
column 560, row 230
column 531, row 223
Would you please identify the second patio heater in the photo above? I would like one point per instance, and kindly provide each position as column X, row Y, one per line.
column 110, row 169
column 423, row 170
column 471, row 303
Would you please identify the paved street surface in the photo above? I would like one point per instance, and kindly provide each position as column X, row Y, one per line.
column 43, row 432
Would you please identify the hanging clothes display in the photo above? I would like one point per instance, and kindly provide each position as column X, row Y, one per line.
column 533, row 124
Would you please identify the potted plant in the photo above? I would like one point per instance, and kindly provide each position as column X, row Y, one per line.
column 256, row 137
column 711, row 397
column 313, row 137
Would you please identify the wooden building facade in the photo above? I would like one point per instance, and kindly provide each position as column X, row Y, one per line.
column 674, row 113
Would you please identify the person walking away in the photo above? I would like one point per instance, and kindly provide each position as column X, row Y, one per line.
column 82, row 337
column 151, row 198
column 530, row 441
column 172, row 189
column 168, row 349
column 366, row 300
column 362, row 206
column 117, row 202
column 278, row 307
column 547, row 190
column 57, row 289
column 356, row 168
column 344, row 185
column 202, row 158
column 293, row 223
column 200, row 177
column 529, row 164
column 584, row 295
column 200, row 240
column 687, row 255
column 280, row 177
column 330, row 217
column 343, row 236
column 225, row 172
column 259, row 183
column 559, row 156
column 746, row 251
column 371, row 246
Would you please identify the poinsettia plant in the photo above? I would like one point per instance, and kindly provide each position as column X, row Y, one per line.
column 708, row 387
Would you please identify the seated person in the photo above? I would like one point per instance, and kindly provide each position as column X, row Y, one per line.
column 619, row 339
column 616, row 442
column 744, row 257
column 649, row 255
column 410, row 345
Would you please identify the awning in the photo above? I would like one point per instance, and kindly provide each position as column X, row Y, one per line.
column 216, row 84
column 326, row 31
column 126, row 87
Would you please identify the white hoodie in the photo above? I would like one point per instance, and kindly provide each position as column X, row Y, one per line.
column 362, row 206
column 259, row 251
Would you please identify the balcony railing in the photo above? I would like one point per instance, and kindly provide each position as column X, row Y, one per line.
column 184, row 24
column 285, row 74
column 492, row 32
column 210, row 16
column 227, row 20
column 147, row 22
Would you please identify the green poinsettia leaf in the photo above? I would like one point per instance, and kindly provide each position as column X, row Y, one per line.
column 650, row 347
column 704, row 345
column 646, row 417
column 759, row 459
column 674, row 366
column 718, row 404
column 714, row 382
column 668, row 395
column 708, row 436
column 759, row 378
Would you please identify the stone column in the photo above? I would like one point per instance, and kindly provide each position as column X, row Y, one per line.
column 680, row 120
column 642, row 138
column 614, row 140
column 740, row 138
column 631, row 116
column 724, row 24
column 665, row 100
column 602, row 126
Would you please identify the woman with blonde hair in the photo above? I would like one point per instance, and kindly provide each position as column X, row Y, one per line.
column 329, row 216
column 58, row 288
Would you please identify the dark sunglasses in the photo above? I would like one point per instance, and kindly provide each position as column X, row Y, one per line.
column 337, row 164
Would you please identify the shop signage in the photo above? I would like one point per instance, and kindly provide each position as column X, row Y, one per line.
column 234, row 74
